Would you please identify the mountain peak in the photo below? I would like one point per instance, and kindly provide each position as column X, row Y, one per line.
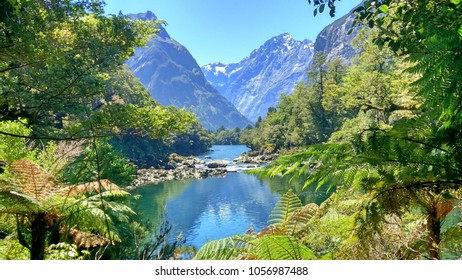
column 280, row 39
column 172, row 76
column 286, row 36
column 148, row 15
column 284, row 42
column 255, row 83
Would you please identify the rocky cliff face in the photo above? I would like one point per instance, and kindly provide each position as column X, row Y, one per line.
column 255, row 83
column 172, row 76
column 335, row 41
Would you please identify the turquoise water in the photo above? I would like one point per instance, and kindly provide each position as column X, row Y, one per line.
column 217, row 207
column 224, row 152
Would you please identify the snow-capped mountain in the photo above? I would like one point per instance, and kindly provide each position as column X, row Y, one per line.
column 255, row 83
column 172, row 76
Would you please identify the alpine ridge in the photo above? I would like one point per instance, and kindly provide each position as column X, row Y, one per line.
column 172, row 76
column 255, row 83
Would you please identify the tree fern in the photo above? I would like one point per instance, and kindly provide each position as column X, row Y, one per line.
column 298, row 222
column 89, row 210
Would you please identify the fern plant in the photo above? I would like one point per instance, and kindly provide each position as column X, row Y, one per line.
column 274, row 247
column 44, row 209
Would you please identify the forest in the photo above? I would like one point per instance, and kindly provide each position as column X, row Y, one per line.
column 381, row 133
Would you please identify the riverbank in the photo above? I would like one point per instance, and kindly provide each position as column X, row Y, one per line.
column 180, row 168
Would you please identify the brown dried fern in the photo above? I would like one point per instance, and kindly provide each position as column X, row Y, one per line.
column 33, row 180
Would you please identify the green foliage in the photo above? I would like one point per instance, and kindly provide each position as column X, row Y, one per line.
column 281, row 248
column 14, row 148
column 11, row 249
column 227, row 137
column 145, row 152
column 64, row 251
column 193, row 141
column 228, row 248
column 320, row 5
column 100, row 160
column 284, row 208
column 56, row 57
column 61, row 72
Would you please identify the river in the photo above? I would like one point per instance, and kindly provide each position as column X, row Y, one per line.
column 216, row 207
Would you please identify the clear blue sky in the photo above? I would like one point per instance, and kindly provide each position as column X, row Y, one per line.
column 228, row 30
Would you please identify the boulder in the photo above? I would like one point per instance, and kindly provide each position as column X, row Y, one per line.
column 216, row 164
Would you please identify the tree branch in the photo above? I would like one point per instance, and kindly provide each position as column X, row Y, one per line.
column 20, row 66
column 419, row 185
column 57, row 138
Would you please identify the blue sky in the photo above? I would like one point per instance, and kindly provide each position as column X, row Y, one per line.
column 228, row 30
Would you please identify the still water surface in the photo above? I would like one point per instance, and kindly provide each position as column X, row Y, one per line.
column 217, row 207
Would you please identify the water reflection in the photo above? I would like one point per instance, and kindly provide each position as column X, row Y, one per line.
column 213, row 208
column 217, row 207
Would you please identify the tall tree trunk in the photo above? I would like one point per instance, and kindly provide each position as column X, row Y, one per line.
column 434, row 232
column 38, row 234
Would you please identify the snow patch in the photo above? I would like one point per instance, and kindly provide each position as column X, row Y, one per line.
column 220, row 69
column 235, row 70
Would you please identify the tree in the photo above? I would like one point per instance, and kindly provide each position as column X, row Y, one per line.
column 45, row 211
column 308, row 115
column 55, row 62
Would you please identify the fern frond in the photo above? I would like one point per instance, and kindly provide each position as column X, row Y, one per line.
column 88, row 240
column 280, row 248
column 13, row 202
column 286, row 205
column 228, row 248
column 104, row 186
column 32, row 180
column 298, row 221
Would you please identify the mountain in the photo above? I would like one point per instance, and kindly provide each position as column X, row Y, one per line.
column 255, row 83
column 335, row 41
column 172, row 76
